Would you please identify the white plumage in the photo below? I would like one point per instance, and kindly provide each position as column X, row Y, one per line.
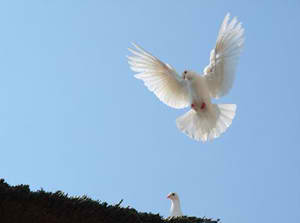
column 205, row 121
column 175, row 210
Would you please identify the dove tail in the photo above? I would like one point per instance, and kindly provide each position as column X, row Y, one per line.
column 207, row 124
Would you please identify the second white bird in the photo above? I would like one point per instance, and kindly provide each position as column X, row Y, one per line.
column 205, row 121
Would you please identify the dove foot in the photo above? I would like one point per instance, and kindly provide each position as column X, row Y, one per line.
column 193, row 106
column 203, row 105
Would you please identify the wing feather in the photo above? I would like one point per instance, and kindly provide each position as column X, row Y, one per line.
column 220, row 73
column 160, row 78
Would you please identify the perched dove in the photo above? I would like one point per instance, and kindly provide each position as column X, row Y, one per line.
column 205, row 120
column 175, row 205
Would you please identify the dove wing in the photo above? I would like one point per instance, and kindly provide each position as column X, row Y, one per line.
column 220, row 73
column 159, row 77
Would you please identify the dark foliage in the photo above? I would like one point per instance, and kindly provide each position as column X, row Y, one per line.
column 19, row 205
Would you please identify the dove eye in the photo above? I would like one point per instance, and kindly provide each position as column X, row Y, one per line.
column 185, row 72
column 173, row 194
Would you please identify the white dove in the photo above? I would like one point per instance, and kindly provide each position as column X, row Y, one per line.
column 175, row 205
column 205, row 120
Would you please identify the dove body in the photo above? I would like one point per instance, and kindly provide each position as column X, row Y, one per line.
column 197, row 90
column 175, row 210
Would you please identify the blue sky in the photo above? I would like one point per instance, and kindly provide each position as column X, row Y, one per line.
column 73, row 117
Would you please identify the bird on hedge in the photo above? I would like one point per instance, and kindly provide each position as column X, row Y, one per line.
column 205, row 120
column 175, row 205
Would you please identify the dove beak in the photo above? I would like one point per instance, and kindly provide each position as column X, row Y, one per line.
column 169, row 196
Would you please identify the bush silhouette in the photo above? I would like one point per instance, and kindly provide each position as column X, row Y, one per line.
column 20, row 205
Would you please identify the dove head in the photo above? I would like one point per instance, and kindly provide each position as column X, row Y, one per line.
column 188, row 75
column 173, row 196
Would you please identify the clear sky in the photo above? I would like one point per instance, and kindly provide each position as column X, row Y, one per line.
column 73, row 117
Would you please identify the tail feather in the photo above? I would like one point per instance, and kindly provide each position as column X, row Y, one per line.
column 208, row 124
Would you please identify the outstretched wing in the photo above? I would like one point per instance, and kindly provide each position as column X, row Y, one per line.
column 220, row 73
column 160, row 78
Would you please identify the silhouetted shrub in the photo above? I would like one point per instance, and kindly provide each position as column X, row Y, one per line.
column 20, row 205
